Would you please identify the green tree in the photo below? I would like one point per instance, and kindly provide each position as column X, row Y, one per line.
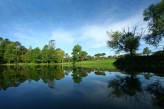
column 76, row 53
column 82, row 55
column 146, row 51
column 51, row 51
column 44, row 54
column 22, row 51
column 28, row 55
column 1, row 50
column 67, row 58
column 10, row 53
column 103, row 54
column 124, row 41
column 97, row 55
column 36, row 55
column 51, row 55
column 4, row 44
column 59, row 55
column 154, row 14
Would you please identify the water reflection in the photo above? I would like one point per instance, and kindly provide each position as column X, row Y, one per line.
column 157, row 92
column 13, row 76
column 129, row 88
column 87, row 88
column 125, row 86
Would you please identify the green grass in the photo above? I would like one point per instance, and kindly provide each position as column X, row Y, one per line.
column 98, row 64
column 95, row 64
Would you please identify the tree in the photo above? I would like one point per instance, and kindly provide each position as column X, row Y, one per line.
column 10, row 53
column 67, row 58
column 154, row 14
column 82, row 55
column 125, row 87
column 146, row 51
column 103, row 54
column 51, row 51
column 97, row 55
column 75, row 52
column 44, row 54
column 124, row 41
column 1, row 49
column 59, row 55
column 100, row 55
column 36, row 55
column 28, row 55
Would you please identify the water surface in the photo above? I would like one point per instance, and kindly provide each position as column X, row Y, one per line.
column 79, row 88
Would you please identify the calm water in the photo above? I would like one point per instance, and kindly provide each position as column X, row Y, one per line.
column 79, row 88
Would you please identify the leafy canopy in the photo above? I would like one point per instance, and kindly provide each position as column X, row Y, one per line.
column 124, row 41
column 154, row 14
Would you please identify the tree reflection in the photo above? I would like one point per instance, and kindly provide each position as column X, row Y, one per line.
column 157, row 92
column 78, row 73
column 76, row 76
column 100, row 73
column 13, row 76
column 126, row 86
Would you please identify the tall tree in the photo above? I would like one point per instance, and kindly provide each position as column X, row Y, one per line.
column 75, row 52
column 67, row 58
column 97, row 55
column 44, row 54
column 124, row 41
column 28, row 55
column 1, row 50
column 36, row 55
column 59, row 55
column 51, row 51
column 146, row 51
column 154, row 14
column 10, row 53
column 82, row 55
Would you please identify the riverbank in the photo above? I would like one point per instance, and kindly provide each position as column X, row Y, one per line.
column 98, row 64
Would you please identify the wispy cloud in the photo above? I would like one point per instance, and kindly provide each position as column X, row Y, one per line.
column 63, row 37
column 94, row 36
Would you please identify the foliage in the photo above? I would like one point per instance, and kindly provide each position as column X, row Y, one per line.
column 154, row 14
column 76, row 53
column 140, row 63
column 14, row 52
column 124, row 41
column 82, row 55
column 59, row 55
column 99, row 55
column 158, row 53
column 146, row 51
column 67, row 58
column 125, row 86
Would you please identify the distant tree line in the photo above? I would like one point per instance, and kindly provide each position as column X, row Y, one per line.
column 14, row 52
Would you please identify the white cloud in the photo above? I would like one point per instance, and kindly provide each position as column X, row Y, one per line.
column 94, row 36
column 62, row 36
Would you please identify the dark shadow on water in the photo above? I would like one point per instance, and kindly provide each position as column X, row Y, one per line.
column 130, row 87
column 157, row 92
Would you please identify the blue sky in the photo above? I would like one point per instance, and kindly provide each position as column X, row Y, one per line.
column 70, row 22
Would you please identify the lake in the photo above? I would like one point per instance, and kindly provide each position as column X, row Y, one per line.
column 57, row 87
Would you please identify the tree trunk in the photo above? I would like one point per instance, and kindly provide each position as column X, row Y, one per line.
column 131, row 52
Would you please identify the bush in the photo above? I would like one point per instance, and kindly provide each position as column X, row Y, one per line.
column 158, row 53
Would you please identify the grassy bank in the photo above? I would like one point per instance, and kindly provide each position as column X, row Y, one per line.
column 97, row 64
